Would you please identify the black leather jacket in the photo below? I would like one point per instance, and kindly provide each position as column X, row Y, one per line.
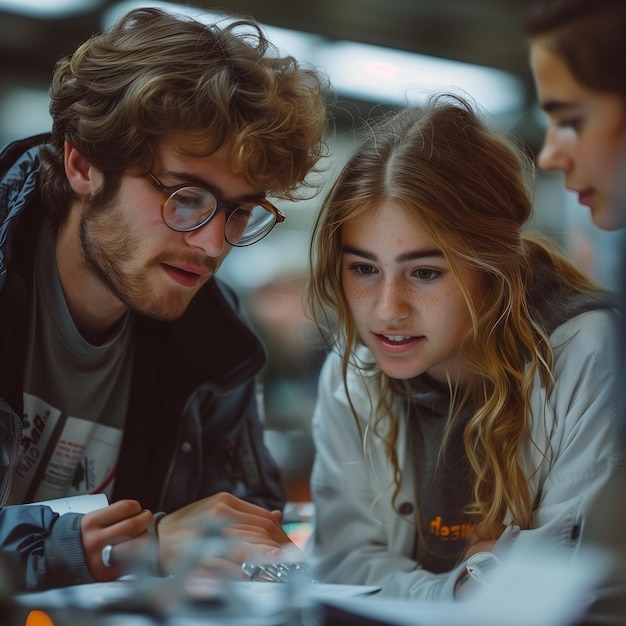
column 192, row 427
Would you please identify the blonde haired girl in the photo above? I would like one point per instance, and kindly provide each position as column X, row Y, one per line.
column 468, row 388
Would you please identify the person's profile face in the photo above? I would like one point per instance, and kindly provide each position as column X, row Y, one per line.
column 585, row 138
column 406, row 303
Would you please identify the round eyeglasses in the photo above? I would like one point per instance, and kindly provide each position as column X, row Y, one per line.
column 186, row 208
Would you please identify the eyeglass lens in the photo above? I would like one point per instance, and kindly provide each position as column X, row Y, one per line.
column 191, row 207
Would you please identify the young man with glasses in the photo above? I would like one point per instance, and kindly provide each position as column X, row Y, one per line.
column 126, row 359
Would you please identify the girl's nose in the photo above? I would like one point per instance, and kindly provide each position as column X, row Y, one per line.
column 393, row 302
column 552, row 157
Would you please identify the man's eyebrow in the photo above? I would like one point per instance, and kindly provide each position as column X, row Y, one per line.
column 407, row 256
column 186, row 178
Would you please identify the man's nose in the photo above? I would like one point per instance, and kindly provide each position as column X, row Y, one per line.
column 210, row 237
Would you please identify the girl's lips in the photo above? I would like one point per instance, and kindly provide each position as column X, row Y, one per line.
column 397, row 347
column 585, row 196
column 182, row 277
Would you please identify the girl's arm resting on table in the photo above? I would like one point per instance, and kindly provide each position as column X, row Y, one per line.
column 359, row 542
column 353, row 534
column 579, row 487
column 349, row 546
column 574, row 505
column 579, row 484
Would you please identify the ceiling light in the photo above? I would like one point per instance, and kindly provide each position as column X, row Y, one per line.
column 375, row 74
column 391, row 76
column 48, row 8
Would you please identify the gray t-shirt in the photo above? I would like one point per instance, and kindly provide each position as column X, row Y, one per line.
column 75, row 396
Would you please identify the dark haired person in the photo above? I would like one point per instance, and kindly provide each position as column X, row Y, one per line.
column 577, row 51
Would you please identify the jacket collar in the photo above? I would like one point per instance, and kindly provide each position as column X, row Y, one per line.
column 212, row 319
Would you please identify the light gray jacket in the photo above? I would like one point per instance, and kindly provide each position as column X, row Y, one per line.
column 360, row 539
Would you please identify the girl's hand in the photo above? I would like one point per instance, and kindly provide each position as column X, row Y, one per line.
column 485, row 545
column 466, row 585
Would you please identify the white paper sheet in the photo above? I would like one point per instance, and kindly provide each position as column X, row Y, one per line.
column 76, row 504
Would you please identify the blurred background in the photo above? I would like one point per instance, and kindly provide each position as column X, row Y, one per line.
column 377, row 54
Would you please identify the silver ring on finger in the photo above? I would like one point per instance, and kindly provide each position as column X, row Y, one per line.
column 106, row 555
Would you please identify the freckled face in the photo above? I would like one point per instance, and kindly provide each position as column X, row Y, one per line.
column 586, row 136
column 405, row 300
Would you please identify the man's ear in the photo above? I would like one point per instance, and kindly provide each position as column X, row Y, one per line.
column 82, row 176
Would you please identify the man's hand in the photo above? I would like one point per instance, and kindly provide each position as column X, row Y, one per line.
column 253, row 532
column 123, row 526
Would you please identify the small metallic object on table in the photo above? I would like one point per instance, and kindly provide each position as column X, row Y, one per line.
column 276, row 572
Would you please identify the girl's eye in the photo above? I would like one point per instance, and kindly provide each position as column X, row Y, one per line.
column 360, row 268
column 574, row 123
column 427, row 274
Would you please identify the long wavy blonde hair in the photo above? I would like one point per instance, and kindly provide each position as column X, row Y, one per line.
column 470, row 188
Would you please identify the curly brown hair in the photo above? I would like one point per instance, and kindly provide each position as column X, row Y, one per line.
column 155, row 74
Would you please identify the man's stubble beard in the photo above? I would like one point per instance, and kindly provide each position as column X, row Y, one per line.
column 106, row 243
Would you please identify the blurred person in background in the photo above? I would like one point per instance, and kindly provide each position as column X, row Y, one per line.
column 577, row 52
column 467, row 407
column 126, row 365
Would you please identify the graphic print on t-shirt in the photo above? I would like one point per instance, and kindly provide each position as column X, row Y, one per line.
column 79, row 459
column 83, row 461
column 38, row 424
